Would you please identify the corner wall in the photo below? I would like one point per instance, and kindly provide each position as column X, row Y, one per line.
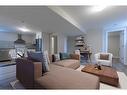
column 62, row 43
column 70, row 44
column 95, row 40
column 45, row 41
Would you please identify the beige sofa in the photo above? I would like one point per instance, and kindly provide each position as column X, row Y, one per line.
column 65, row 78
column 59, row 77
column 73, row 62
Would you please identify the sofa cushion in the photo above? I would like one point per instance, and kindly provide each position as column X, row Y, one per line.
column 47, row 56
column 39, row 57
column 34, row 56
column 69, row 63
column 64, row 56
column 104, row 56
column 45, row 62
column 64, row 78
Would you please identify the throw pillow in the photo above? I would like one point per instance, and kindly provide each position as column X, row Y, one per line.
column 47, row 56
column 104, row 56
column 45, row 62
column 64, row 56
column 56, row 57
column 39, row 57
column 34, row 56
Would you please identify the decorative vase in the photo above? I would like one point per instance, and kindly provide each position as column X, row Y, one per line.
column 99, row 66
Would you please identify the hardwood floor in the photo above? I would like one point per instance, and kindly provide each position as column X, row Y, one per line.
column 120, row 67
column 7, row 75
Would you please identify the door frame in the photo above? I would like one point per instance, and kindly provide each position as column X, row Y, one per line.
column 105, row 39
column 55, row 40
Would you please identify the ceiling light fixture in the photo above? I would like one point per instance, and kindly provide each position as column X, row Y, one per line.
column 98, row 8
column 23, row 28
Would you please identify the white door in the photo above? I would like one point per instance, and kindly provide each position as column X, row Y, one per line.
column 121, row 47
column 52, row 45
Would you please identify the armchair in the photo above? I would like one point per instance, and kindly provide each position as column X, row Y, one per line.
column 107, row 62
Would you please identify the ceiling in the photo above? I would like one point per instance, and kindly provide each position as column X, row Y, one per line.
column 36, row 18
column 87, row 20
column 69, row 20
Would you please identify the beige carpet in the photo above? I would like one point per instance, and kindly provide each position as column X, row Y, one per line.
column 122, row 81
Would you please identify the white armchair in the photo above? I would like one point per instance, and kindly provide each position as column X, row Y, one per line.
column 102, row 61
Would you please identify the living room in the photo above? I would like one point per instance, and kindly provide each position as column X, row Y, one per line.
column 57, row 29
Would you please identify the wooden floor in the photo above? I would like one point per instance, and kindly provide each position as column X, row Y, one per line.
column 8, row 74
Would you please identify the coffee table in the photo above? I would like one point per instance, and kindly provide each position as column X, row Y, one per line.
column 106, row 74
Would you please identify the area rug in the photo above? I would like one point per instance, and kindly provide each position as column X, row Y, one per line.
column 122, row 81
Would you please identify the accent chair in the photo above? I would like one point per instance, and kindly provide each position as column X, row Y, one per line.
column 104, row 59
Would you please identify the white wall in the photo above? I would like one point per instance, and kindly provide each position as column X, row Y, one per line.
column 114, row 45
column 45, row 41
column 61, row 42
column 94, row 40
column 70, row 44
column 28, row 38
column 13, row 37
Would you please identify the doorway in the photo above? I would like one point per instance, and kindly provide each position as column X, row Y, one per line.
column 123, row 40
column 53, row 41
column 116, row 45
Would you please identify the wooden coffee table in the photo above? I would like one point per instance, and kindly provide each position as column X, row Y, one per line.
column 106, row 74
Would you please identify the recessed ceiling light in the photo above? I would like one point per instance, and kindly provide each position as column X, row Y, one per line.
column 98, row 8
column 24, row 29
